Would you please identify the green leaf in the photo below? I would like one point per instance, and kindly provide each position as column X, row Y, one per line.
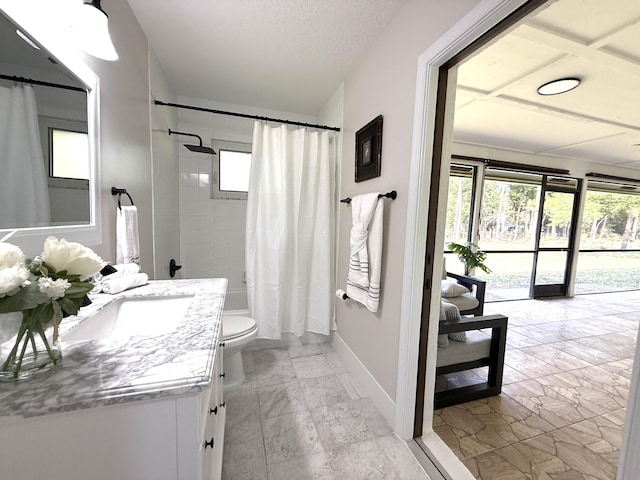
column 78, row 289
column 69, row 306
column 27, row 297
column 470, row 255
column 57, row 313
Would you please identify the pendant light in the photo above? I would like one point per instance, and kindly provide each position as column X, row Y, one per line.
column 92, row 27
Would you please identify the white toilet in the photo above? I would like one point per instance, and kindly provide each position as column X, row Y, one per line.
column 237, row 331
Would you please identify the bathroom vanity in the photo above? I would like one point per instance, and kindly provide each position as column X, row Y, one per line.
column 135, row 405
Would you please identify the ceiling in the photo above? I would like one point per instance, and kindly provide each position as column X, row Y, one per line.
column 291, row 55
column 288, row 55
column 497, row 104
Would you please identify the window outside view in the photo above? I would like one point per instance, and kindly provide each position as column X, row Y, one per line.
column 607, row 261
column 69, row 154
column 234, row 171
column 609, row 256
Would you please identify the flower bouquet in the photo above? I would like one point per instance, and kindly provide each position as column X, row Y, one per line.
column 43, row 290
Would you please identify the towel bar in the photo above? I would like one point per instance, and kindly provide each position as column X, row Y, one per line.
column 341, row 294
column 392, row 195
column 119, row 192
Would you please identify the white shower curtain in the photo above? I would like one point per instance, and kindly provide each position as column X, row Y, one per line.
column 24, row 193
column 290, row 249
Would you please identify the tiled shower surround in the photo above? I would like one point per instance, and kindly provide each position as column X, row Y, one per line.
column 212, row 230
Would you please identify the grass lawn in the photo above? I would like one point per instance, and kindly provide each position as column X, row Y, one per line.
column 596, row 272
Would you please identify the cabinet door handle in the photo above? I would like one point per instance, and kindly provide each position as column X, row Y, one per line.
column 223, row 404
column 222, row 375
column 222, row 344
column 213, row 410
column 208, row 444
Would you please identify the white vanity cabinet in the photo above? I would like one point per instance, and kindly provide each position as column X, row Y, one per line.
column 134, row 408
column 214, row 420
column 145, row 440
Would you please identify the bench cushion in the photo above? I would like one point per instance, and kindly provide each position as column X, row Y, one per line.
column 463, row 302
column 478, row 345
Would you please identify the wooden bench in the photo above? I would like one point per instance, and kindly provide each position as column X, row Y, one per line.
column 481, row 350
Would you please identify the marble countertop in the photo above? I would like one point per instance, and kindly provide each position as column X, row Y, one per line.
column 107, row 372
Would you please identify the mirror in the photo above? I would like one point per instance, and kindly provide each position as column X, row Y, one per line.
column 53, row 196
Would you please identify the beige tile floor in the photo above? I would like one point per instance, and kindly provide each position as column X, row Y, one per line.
column 566, row 381
column 300, row 415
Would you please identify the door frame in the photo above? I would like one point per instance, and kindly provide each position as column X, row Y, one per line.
column 486, row 15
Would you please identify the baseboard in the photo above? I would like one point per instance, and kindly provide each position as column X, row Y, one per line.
column 385, row 405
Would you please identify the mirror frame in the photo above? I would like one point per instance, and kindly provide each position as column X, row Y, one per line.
column 45, row 31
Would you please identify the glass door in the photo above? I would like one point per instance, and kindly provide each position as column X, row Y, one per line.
column 555, row 237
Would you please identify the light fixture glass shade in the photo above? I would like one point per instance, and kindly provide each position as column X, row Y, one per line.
column 92, row 31
column 556, row 87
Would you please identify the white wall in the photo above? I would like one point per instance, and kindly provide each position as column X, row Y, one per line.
column 576, row 167
column 125, row 142
column 384, row 83
column 164, row 151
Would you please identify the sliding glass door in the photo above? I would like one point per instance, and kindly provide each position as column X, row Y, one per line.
column 507, row 231
column 555, row 237
column 523, row 221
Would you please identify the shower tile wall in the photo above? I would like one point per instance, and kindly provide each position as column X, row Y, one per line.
column 212, row 231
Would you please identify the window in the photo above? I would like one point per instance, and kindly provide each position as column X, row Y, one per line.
column 460, row 204
column 510, row 205
column 69, row 154
column 609, row 256
column 230, row 170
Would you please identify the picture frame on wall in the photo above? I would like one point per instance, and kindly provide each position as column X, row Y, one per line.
column 369, row 150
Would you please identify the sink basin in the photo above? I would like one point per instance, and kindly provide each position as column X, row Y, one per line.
column 131, row 316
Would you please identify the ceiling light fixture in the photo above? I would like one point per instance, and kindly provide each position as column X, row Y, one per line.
column 92, row 26
column 558, row 86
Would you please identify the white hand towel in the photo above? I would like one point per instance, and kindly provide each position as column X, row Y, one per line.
column 363, row 280
column 127, row 243
column 121, row 270
column 120, row 284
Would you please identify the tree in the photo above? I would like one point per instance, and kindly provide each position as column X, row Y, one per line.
column 558, row 207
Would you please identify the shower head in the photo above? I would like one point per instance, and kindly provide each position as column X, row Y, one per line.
column 200, row 148
column 195, row 148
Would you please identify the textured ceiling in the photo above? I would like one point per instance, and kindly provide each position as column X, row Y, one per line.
column 288, row 55
column 497, row 104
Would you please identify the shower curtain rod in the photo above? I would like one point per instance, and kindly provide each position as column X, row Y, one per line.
column 246, row 115
column 40, row 82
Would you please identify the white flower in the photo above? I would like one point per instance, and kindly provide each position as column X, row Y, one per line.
column 73, row 257
column 10, row 255
column 53, row 288
column 13, row 272
column 11, row 279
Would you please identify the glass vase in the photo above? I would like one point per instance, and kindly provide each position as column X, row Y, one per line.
column 28, row 345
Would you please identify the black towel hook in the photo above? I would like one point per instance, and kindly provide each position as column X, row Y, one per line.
column 119, row 192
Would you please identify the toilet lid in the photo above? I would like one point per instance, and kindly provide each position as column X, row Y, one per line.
column 235, row 326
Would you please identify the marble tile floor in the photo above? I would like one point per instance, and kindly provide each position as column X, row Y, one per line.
column 299, row 415
column 566, row 381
